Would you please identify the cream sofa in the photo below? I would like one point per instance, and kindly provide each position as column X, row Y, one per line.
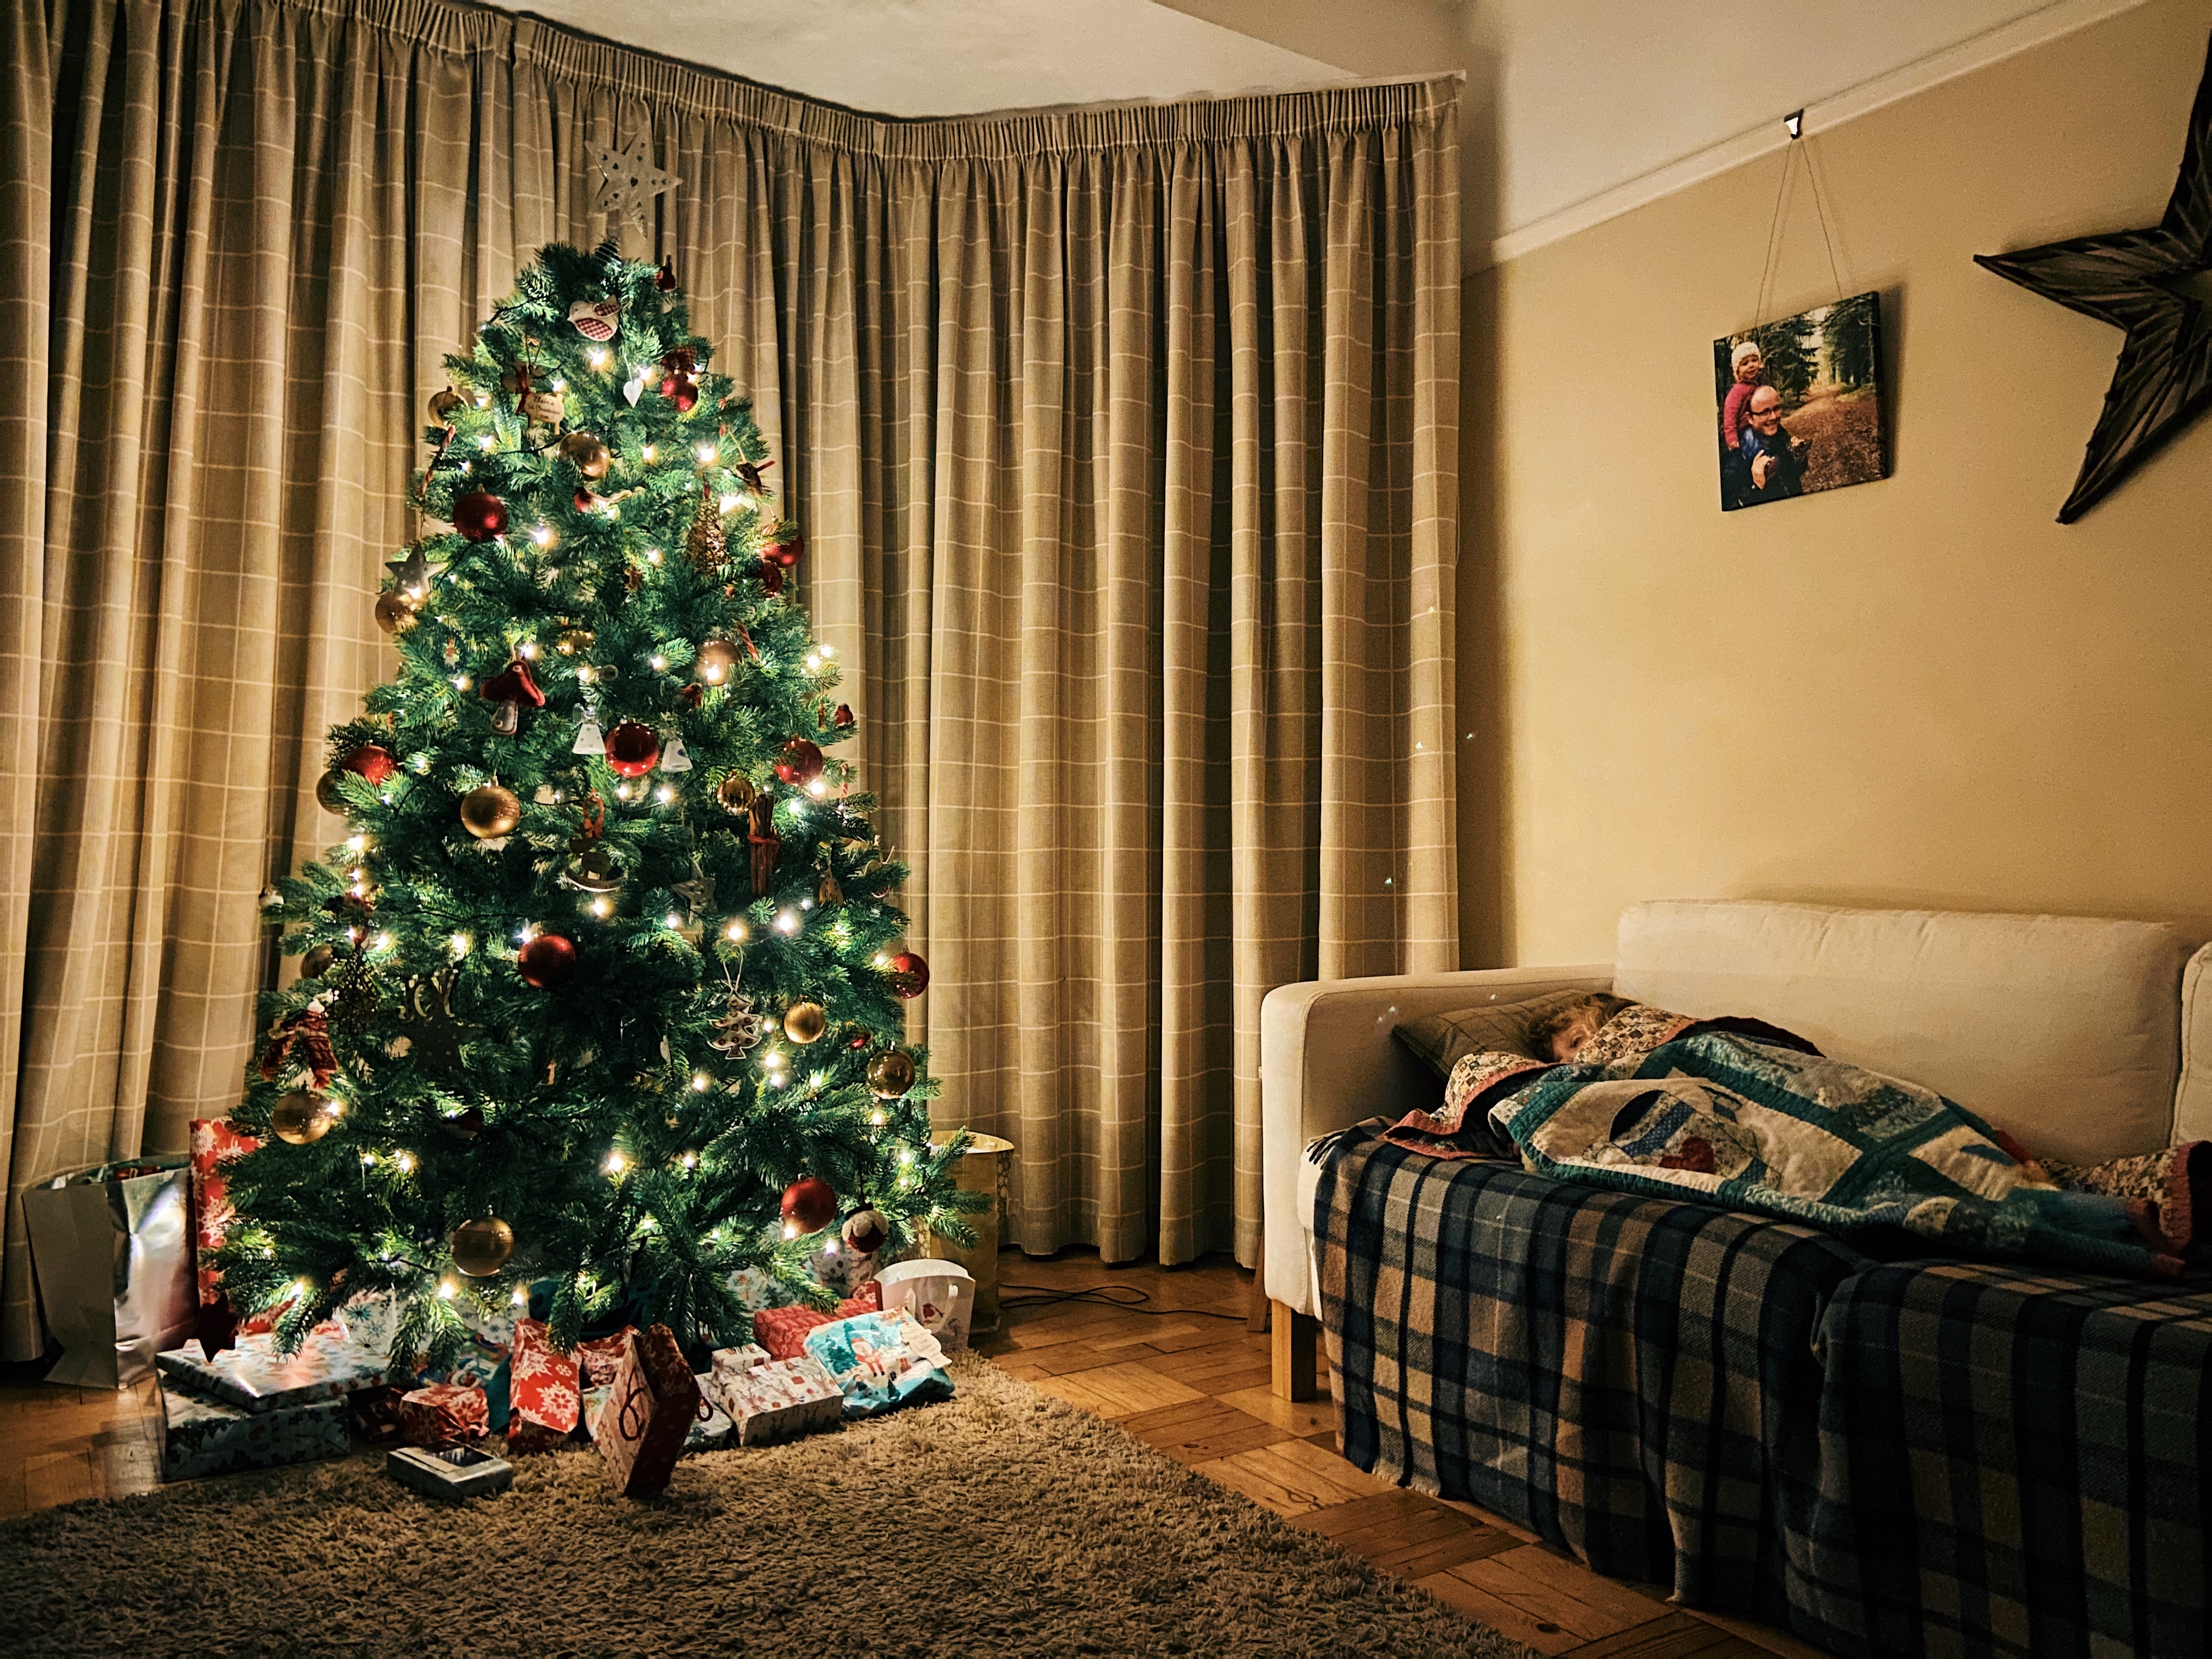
column 2087, row 1039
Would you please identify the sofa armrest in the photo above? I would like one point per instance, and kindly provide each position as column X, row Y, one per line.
column 1327, row 1060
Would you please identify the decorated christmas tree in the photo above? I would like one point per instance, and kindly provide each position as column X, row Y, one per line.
column 600, row 1005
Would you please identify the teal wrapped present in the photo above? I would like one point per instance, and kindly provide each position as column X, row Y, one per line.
column 882, row 1360
column 211, row 1436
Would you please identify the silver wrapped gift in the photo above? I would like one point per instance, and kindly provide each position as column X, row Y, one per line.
column 113, row 1253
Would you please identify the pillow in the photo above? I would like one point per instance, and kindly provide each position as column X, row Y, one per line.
column 1442, row 1040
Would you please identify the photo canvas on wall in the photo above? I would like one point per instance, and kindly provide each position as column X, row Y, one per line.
column 1800, row 403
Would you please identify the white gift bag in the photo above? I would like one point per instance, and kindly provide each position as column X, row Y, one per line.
column 940, row 1295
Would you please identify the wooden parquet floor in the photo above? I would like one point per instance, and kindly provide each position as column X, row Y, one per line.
column 1193, row 1386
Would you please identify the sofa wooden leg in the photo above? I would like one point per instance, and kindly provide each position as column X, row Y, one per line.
column 1295, row 1334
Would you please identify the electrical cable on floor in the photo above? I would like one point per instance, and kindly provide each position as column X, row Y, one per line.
column 1125, row 1297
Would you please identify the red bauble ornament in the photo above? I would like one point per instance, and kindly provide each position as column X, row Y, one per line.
column 842, row 720
column 480, row 515
column 371, row 761
column 809, row 1204
column 799, row 763
column 546, row 961
column 860, row 1038
column 910, row 974
column 633, row 750
column 665, row 279
column 771, row 575
column 787, row 554
column 680, row 389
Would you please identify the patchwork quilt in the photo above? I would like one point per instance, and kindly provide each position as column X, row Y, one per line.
column 1659, row 1104
column 1887, row 1458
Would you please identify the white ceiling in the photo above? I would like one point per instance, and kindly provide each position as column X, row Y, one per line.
column 1565, row 99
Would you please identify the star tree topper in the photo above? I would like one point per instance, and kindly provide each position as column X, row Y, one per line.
column 2155, row 283
column 628, row 181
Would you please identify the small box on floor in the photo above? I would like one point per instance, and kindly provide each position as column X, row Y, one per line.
column 210, row 1437
column 451, row 1471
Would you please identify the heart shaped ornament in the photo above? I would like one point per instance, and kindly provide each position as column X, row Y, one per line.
column 596, row 319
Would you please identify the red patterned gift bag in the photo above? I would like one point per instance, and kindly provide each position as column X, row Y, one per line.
column 640, row 1429
column 542, row 1390
column 215, row 1143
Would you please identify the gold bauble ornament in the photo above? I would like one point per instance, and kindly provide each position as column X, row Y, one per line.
column 326, row 793
column 707, row 544
column 805, row 1022
column 482, row 1247
column 444, row 405
column 395, row 612
column 584, row 451
column 718, row 660
column 490, row 811
column 299, row 1118
column 573, row 642
column 890, row 1075
column 317, row 962
column 736, row 792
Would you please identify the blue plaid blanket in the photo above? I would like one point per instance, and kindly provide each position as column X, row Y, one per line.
column 1888, row 1459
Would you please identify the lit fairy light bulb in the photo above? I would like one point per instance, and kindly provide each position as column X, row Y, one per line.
column 367, row 1160
column 652, row 555
column 406, row 1162
column 700, row 1082
column 689, row 1160
column 461, row 681
column 649, row 454
column 421, row 762
column 829, row 650
column 790, row 1230
column 735, row 933
column 521, row 1296
column 596, row 358
column 445, row 1290
column 559, row 385
column 732, row 503
column 622, row 791
column 817, row 788
column 461, row 945
column 882, row 961
column 876, row 1117
column 384, row 941
column 542, row 535
column 671, row 921
column 617, row 1164
column 814, row 662
column 658, row 661
column 709, row 454
column 356, row 843
column 486, row 442
column 786, row 921
column 665, row 793
column 600, row 906
column 303, row 1287
column 527, row 650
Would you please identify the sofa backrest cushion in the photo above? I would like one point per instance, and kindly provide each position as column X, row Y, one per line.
column 2192, row 1101
column 2064, row 1031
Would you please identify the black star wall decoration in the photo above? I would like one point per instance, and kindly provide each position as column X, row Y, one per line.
column 2155, row 284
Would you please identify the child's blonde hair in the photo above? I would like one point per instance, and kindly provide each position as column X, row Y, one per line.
column 1547, row 1027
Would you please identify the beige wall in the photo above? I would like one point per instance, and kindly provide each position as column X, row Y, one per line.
column 1919, row 691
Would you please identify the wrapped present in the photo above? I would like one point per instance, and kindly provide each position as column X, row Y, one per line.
column 940, row 1294
column 710, row 1427
column 255, row 1377
column 782, row 1331
column 214, row 1143
column 210, row 1437
column 881, row 1360
column 376, row 1414
column 443, row 1412
column 600, row 1357
column 769, row 1400
column 543, row 1395
column 641, row 1430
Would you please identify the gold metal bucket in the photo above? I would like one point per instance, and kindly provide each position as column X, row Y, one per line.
column 984, row 1169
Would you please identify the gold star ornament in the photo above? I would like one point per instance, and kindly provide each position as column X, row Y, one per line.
column 2155, row 284
column 628, row 181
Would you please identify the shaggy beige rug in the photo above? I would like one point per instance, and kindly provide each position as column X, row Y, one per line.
column 1001, row 1521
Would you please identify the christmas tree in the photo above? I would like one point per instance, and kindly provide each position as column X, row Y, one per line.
column 600, row 1005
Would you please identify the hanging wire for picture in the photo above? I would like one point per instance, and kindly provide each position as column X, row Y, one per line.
column 1770, row 269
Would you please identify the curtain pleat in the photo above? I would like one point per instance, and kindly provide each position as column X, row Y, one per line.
column 1123, row 439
